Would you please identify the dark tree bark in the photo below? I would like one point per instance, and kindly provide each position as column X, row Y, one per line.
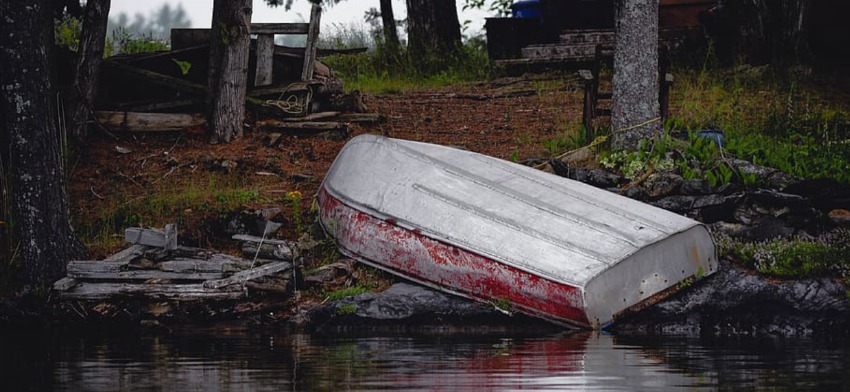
column 391, row 42
column 89, row 59
column 227, row 80
column 433, row 30
column 635, row 109
column 41, row 225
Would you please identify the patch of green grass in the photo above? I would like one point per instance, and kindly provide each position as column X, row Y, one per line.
column 347, row 292
column 503, row 305
column 346, row 309
column 825, row 255
column 222, row 194
column 379, row 72
column 771, row 117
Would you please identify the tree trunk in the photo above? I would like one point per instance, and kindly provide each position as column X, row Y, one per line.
column 89, row 58
column 230, row 40
column 433, row 31
column 41, row 225
column 635, row 111
column 391, row 42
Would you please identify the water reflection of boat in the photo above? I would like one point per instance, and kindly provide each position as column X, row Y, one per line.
column 496, row 231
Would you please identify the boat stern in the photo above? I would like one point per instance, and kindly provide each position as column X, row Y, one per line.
column 650, row 275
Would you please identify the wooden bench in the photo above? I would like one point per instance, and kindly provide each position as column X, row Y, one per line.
column 592, row 95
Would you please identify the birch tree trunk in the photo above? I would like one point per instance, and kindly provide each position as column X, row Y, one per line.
column 89, row 59
column 635, row 109
column 227, row 81
column 41, row 226
column 433, row 30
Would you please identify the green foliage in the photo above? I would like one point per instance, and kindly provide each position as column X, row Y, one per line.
column 216, row 193
column 500, row 7
column 384, row 72
column 123, row 41
column 827, row 254
column 774, row 118
column 67, row 32
column 294, row 197
column 504, row 305
column 650, row 155
column 346, row 309
column 347, row 292
column 185, row 66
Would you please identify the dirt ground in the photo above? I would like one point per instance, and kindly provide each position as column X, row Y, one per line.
column 120, row 181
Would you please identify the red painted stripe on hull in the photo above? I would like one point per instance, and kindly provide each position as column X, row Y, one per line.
column 413, row 255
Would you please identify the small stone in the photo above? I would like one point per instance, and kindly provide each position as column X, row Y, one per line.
column 229, row 165
column 663, row 184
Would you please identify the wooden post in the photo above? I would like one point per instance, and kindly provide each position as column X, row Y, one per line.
column 664, row 95
column 265, row 58
column 312, row 42
column 589, row 100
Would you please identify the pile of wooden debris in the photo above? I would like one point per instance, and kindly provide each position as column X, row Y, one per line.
column 155, row 267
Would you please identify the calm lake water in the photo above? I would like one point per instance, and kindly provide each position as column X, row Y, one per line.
column 224, row 359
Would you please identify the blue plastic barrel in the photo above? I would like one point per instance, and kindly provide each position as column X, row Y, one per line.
column 529, row 9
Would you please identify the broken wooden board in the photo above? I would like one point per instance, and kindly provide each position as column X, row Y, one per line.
column 101, row 271
column 328, row 130
column 221, row 265
column 148, row 122
column 165, row 238
column 65, row 284
column 127, row 255
column 244, row 276
column 183, row 292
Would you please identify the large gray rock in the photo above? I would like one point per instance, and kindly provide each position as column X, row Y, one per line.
column 406, row 304
column 736, row 302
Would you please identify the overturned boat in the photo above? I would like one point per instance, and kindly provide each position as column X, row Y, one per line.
column 500, row 232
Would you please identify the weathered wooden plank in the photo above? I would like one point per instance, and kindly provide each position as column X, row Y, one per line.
column 89, row 274
column 252, row 238
column 83, row 267
column 158, row 78
column 265, row 60
column 313, row 117
column 184, row 292
column 276, row 90
column 127, row 255
column 373, row 118
column 312, row 42
column 161, row 105
column 166, row 238
column 197, row 265
column 317, row 126
column 280, row 28
column 244, row 276
column 268, row 251
column 148, row 122
column 65, row 284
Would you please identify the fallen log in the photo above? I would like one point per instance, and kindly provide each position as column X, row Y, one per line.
column 148, row 122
